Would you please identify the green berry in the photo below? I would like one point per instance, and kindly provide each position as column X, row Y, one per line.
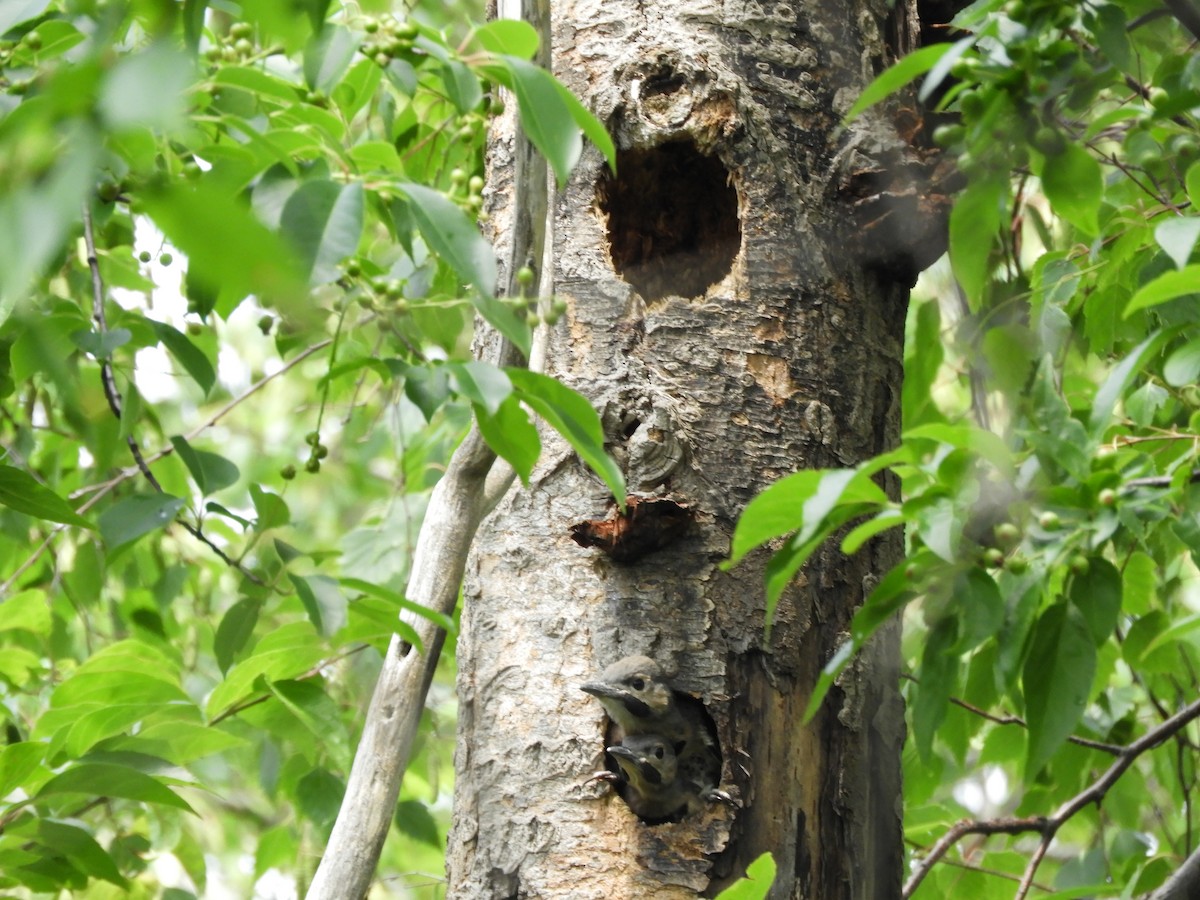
column 313, row 465
column 1008, row 534
column 353, row 269
column 1018, row 565
column 382, row 59
column 145, row 256
column 1049, row 521
column 265, row 323
column 166, row 258
column 241, row 30
column 457, row 176
column 195, row 328
column 33, row 41
column 1079, row 564
column 1107, row 497
column 475, row 185
column 312, row 438
column 993, row 558
column 525, row 276
column 320, row 451
column 288, row 472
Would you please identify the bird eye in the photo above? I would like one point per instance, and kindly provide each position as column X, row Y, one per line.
column 658, row 751
column 638, row 684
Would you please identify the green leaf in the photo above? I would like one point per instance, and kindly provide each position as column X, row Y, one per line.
column 328, row 56
column 760, row 875
column 453, row 237
column 26, row 611
column 512, row 435
column 481, row 383
column 974, row 222
column 546, row 116
column 414, row 819
column 572, row 416
column 514, row 37
column 101, row 346
column 319, row 796
column 271, row 510
column 1057, row 678
column 502, row 317
column 1118, row 381
column 83, row 850
column 1074, row 185
column 235, row 630
column 147, row 89
column 211, row 471
column 21, row 492
column 1192, row 182
column 1177, row 236
column 324, row 603
column 399, row 601
column 323, row 221
column 1097, row 595
column 895, row 77
column 286, row 652
column 191, row 357
column 18, row 762
column 800, row 502
column 110, row 780
column 1168, row 286
column 129, row 519
column 1183, row 365
column 979, row 606
column 882, row 521
column 937, row 681
column 593, row 129
column 227, row 248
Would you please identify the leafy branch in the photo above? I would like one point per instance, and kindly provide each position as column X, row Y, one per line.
column 103, row 489
column 1048, row 826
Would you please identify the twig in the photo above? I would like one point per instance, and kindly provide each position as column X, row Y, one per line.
column 1009, row 719
column 1048, row 827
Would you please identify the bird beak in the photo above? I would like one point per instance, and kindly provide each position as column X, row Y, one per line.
column 600, row 689
column 636, row 706
column 629, row 761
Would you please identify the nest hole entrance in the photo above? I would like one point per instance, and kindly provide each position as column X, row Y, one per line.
column 672, row 213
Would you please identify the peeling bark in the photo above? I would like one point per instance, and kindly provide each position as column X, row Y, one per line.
column 727, row 345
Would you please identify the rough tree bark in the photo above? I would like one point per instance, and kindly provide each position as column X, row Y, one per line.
column 737, row 300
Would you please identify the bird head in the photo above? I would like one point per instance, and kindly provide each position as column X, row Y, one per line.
column 632, row 689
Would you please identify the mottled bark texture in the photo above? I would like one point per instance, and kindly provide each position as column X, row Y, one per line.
column 733, row 323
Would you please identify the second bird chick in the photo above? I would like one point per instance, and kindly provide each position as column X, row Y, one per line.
column 649, row 771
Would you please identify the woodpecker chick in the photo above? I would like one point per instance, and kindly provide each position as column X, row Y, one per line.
column 636, row 697
column 649, row 768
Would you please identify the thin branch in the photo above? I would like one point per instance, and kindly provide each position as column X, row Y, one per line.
column 982, row 870
column 1048, row 827
column 1009, row 719
column 1030, row 870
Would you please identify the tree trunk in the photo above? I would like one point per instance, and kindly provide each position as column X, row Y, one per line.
column 732, row 324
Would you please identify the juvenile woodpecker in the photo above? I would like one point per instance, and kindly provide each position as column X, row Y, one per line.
column 636, row 697
column 649, row 767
